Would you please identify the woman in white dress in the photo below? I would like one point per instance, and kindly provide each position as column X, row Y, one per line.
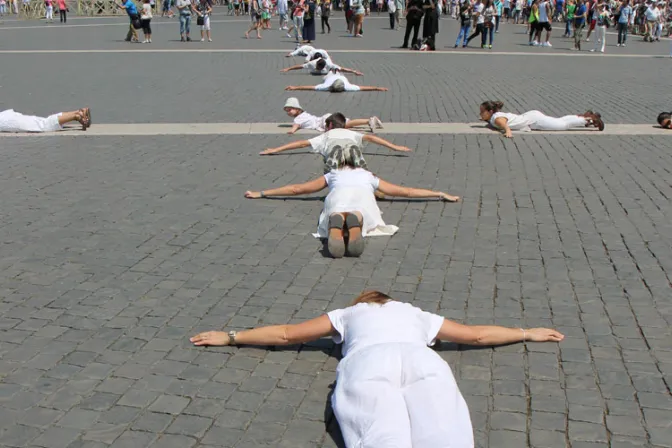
column 391, row 390
column 534, row 120
column 12, row 121
column 350, row 205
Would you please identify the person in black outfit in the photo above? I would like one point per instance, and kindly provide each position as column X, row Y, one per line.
column 414, row 15
column 430, row 25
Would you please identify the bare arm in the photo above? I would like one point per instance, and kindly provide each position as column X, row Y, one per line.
column 494, row 335
column 307, row 331
column 350, row 70
column 289, row 146
column 293, row 67
column 503, row 124
column 312, row 186
column 408, row 192
column 295, row 127
column 373, row 89
column 382, row 142
column 300, row 88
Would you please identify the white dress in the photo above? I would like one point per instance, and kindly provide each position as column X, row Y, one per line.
column 537, row 121
column 351, row 190
column 11, row 121
column 392, row 390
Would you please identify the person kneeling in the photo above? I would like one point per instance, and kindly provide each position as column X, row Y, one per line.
column 350, row 210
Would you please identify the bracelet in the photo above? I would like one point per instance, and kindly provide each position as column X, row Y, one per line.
column 524, row 334
column 261, row 194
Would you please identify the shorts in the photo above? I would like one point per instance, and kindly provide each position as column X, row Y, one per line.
column 544, row 26
column 236, row 6
column 507, row 11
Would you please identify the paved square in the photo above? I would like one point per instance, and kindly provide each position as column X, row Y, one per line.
column 116, row 248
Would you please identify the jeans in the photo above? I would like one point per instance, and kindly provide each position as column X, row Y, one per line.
column 3, row 9
column 283, row 19
column 487, row 32
column 622, row 32
column 63, row 14
column 411, row 24
column 480, row 29
column 463, row 35
column 298, row 27
column 568, row 27
column 391, row 20
column 496, row 23
column 325, row 21
column 185, row 23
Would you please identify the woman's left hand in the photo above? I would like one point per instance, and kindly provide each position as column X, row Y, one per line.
column 211, row 338
column 290, row 88
column 252, row 194
column 449, row 198
column 543, row 335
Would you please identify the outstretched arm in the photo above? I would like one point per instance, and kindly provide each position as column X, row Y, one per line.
column 307, row 331
column 494, row 335
column 300, row 88
column 290, row 190
column 503, row 124
column 382, row 142
column 293, row 67
column 350, row 70
column 372, row 89
column 289, row 146
column 295, row 127
column 408, row 192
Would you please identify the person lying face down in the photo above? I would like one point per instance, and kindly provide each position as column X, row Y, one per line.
column 335, row 82
column 12, row 121
column 391, row 388
column 665, row 120
column 321, row 66
column 304, row 120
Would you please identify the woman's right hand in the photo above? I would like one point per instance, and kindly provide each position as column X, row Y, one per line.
column 543, row 335
column 252, row 194
column 508, row 133
column 449, row 198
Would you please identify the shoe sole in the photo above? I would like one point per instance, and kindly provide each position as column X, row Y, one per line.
column 356, row 245
column 336, row 246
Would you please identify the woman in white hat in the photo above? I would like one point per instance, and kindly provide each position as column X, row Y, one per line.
column 335, row 82
column 391, row 388
column 304, row 120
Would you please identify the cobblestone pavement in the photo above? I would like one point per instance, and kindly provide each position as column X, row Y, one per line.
column 116, row 249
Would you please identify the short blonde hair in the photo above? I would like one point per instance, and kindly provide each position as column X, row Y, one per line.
column 372, row 297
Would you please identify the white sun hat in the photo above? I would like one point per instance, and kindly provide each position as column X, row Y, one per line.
column 293, row 103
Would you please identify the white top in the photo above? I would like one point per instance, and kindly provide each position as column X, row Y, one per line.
column 302, row 50
column 478, row 7
column 312, row 65
column 352, row 178
column 543, row 13
column 652, row 14
column 308, row 121
column 324, row 143
column 515, row 122
column 311, row 54
column 329, row 80
column 367, row 324
column 183, row 3
column 146, row 11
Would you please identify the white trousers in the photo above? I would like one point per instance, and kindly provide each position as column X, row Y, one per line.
column 50, row 13
column 400, row 396
column 541, row 122
column 601, row 37
column 11, row 121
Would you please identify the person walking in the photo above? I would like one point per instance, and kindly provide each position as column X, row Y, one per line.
column 570, row 9
column 601, row 17
column 325, row 13
column 579, row 23
column 299, row 11
column 499, row 6
column 465, row 23
column 134, row 18
column 145, row 19
column 399, row 6
column 489, row 12
column 255, row 17
column 184, row 8
column 62, row 10
column 414, row 13
column 309, row 22
column 358, row 11
column 49, row 14
column 3, row 7
column 479, row 19
column 282, row 13
column 392, row 11
column 204, row 9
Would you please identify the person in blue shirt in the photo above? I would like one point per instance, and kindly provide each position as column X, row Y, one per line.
column 132, row 11
column 579, row 24
column 558, row 11
column 624, row 14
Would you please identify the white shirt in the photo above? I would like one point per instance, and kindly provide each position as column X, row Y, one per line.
column 146, row 11
column 515, row 122
column 324, row 144
column 652, row 14
column 331, row 77
column 302, row 50
column 312, row 66
column 308, row 121
column 182, row 4
column 352, row 178
column 311, row 54
column 367, row 324
column 478, row 7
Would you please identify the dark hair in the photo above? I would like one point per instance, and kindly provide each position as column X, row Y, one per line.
column 492, row 106
column 321, row 64
column 664, row 116
column 335, row 121
column 317, row 55
column 372, row 297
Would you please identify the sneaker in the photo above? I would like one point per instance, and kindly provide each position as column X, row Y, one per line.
column 464, row 46
column 149, row 41
column 531, row 44
column 372, row 125
column 535, row 43
column 601, row 51
column 592, row 50
column 587, row 39
column 288, row 35
column 618, row 45
column 547, row 44
column 188, row 39
column 210, row 39
column 182, row 39
column 490, row 47
column 202, row 40
column 379, row 124
column 623, row 45
column 455, row 46
column 358, row 35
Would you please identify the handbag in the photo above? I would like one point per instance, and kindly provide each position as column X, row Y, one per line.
column 200, row 21
column 137, row 24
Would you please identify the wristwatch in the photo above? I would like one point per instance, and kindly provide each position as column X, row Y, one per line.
column 232, row 337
